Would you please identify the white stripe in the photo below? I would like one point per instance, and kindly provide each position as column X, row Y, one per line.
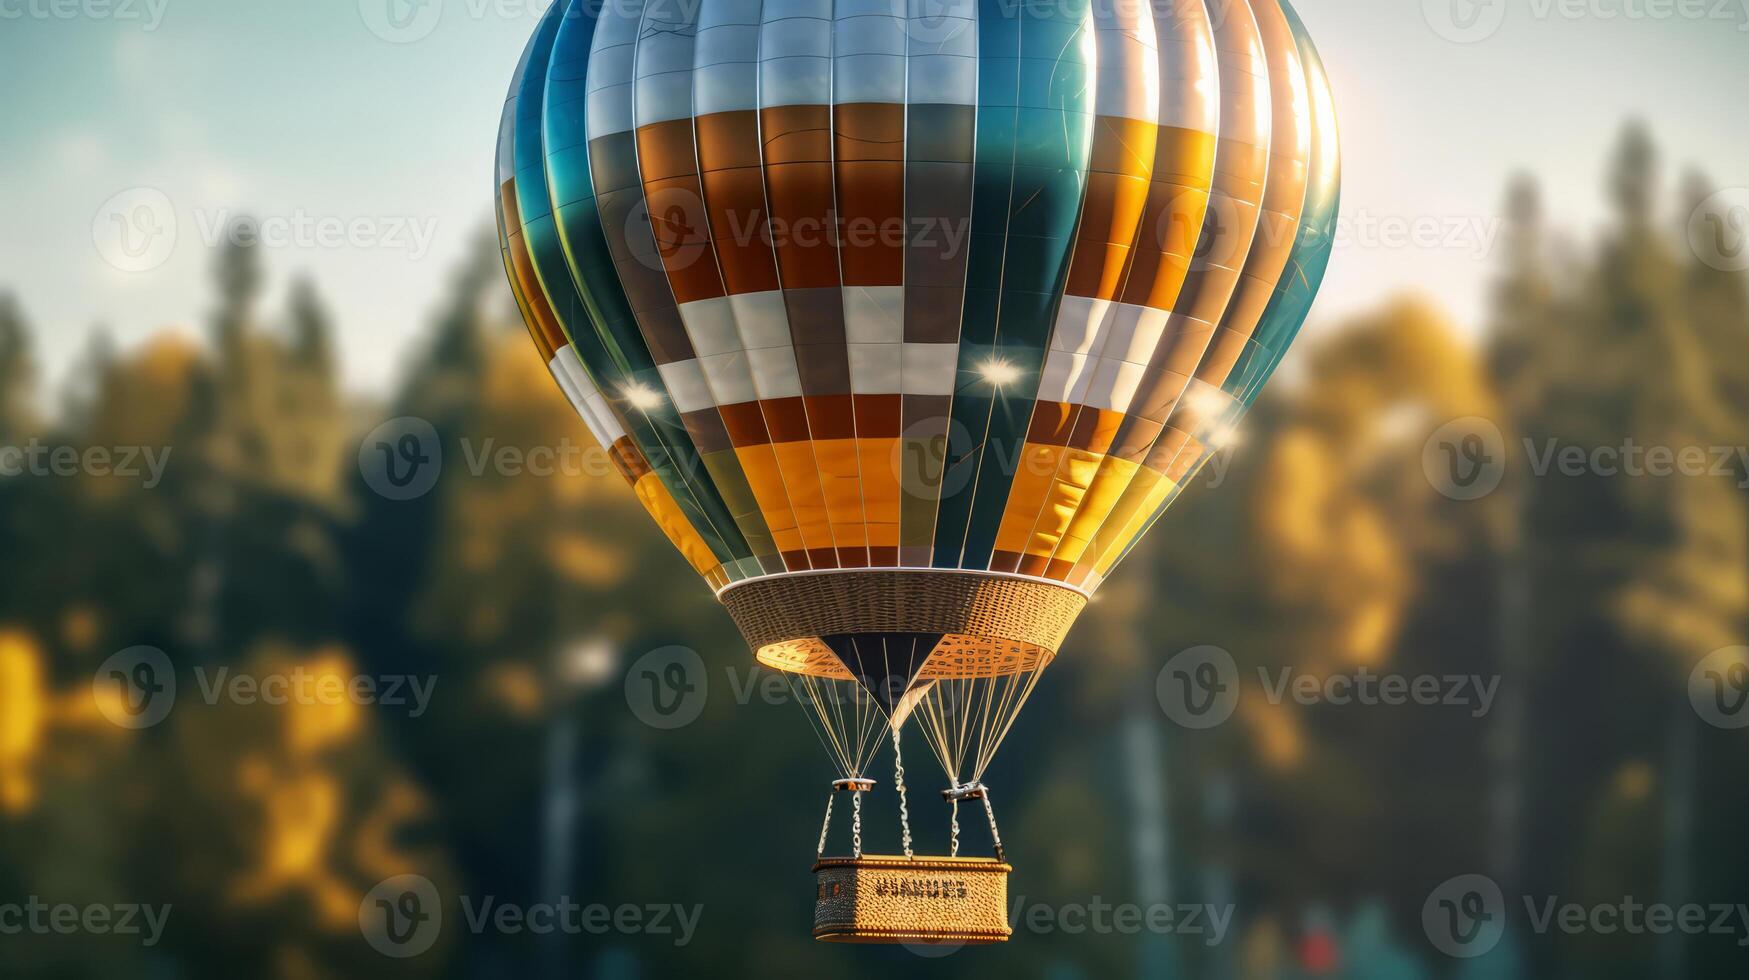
column 585, row 397
column 775, row 374
column 1190, row 92
column 710, row 324
column 929, row 369
column 611, row 56
column 874, row 368
column 730, row 378
column 686, row 385
column 874, row 314
column 1128, row 76
column 1078, row 324
column 762, row 319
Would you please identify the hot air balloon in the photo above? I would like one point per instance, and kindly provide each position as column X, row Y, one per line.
column 905, row 320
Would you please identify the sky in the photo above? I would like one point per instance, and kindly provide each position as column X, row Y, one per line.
column 364, row 145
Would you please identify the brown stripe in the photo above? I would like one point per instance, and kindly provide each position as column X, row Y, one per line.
column 1096, row 430
column 708, row 432
column 878, row 416
column 1051, row 423
column 732, row 179
column 786, row 419
column 831, row 416
column 745, row 422
column 629, row 459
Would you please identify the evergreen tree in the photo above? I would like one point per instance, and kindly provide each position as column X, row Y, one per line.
column 17, row 372
column 312, row 329
column 240, row 280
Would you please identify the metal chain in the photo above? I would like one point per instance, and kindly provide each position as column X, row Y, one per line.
column 825, row 825
column 856, row 825
column 904, row 805
column 954, row 850
column 995, row 835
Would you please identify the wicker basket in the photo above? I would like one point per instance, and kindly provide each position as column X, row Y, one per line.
column 902, row 900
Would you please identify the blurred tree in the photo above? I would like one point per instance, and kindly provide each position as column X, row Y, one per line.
column 17, row 373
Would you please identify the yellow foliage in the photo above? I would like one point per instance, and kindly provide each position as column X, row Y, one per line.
column 1276, row 730
column 23, row 717
column 1342, row 505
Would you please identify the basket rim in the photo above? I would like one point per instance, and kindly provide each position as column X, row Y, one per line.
column 898, row 862
column 888, row 570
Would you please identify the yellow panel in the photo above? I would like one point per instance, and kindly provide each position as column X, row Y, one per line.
column 657, row 500
column 766, row 479
column 841, row 482
column 1148, row 492
column 802, row 479
column 1027, row 495
column 880, row 483
column 1105, row 491
column 1068, row 496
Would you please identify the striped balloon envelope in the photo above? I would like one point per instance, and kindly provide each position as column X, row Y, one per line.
column 906, row 319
